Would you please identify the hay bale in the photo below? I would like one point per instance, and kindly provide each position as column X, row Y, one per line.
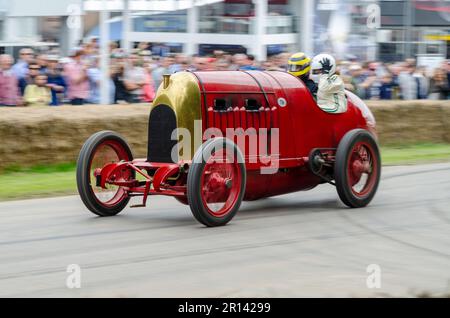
column 405, row 122
column 55, row 135
column 32, row 136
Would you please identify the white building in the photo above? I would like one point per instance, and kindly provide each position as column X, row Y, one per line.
column 40, row 23
column 343, row 27
column 256, row 25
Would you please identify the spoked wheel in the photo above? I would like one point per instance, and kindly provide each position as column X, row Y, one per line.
column 358, row 168
column 216, row 182
column 99, row 150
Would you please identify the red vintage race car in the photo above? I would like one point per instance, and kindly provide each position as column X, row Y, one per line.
column 217, row 138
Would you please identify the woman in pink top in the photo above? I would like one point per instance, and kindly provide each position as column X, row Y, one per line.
column 77, row 79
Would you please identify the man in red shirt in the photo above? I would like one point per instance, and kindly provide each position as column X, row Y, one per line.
column 77, row 79
column 9, row 86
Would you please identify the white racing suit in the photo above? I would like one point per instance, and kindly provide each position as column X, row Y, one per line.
column 331, row 94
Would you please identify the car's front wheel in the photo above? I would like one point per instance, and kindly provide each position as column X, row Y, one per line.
column 216, row 182
column 100, row 149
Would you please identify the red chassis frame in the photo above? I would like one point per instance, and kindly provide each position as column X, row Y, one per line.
column 112, row 173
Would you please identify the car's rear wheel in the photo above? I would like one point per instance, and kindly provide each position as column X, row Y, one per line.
column 216, row 182
column 358, row 168
column 100, row 149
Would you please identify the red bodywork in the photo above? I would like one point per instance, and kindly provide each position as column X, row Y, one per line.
column 283, row 102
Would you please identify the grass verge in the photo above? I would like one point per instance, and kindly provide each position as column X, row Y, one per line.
column 415, row 154
column 53, row 180
column 40, row 181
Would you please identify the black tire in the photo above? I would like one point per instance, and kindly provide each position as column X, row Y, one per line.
column 83, row 173
column 341, row 173
column 194, row 184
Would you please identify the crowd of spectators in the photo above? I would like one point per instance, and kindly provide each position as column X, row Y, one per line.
column 400, row 80
column 38, row 79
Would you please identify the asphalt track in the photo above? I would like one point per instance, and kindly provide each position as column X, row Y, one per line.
column 301, row 244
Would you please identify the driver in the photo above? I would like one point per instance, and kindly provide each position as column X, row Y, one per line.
column 331, row 92
column 299, row 65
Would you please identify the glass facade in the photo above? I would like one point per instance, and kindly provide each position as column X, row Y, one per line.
column 161, row 22
column 414, row 28
column 223, row 24
column 340, row 26
column 238, row 17
column 228, row 17
column 281, row 24
column 408, row 28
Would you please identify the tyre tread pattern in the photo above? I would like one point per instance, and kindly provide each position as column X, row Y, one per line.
column 340, row 171
column 194, row 183
column 83, row 185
